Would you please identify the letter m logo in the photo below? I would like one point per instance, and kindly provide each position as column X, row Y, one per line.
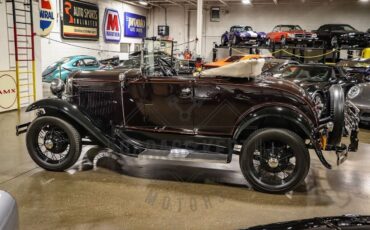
column 112, row 23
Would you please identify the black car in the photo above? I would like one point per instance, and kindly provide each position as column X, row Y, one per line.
column 337, row 35
column 317, row 79
column 321, row 223
column 141, row 114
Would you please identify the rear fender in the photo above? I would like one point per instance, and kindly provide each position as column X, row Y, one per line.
column 52, row 106
column 275, row 113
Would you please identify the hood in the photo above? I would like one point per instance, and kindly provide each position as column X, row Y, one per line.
column 251, row 34
column 298, row 32
column 104, row 75
column 348, row 32
column 310, row 87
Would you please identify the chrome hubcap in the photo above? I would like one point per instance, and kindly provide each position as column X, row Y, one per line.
column 49, row 144
column 273, row 162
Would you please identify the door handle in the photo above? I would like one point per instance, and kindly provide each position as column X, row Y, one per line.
column 185, row 92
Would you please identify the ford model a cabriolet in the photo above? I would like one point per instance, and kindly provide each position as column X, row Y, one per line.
column 147, row 113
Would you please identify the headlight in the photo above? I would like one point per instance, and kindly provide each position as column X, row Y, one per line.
column 57, row 87
column 291, row 35
column 314, row 35
column 353, row 92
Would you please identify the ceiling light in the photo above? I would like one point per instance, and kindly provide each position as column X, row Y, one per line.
column 364, row 0
column 144, row 3
column 247, row 2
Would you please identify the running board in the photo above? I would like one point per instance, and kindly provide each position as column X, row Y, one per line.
column 183, row 155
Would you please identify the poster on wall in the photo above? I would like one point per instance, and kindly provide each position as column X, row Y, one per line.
column 111, row 26
column 8, row 91
column 46, row 17
column 80, row 20
column 135, row 25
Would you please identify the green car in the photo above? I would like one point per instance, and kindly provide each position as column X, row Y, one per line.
column 65, row 66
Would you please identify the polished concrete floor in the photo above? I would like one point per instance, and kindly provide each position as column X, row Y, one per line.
column 104, row 191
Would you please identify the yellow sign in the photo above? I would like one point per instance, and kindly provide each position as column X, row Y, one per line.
column 8, row 91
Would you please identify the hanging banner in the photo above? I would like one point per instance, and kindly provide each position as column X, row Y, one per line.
column 135, row 25
column 111, row 26
column 46, row 17
column 80, row 20
column 8, row 91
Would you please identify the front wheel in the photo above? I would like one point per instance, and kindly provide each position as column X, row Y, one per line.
column 53, row 143
column 274, row 160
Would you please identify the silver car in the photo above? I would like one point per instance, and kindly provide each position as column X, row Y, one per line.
column 8, row 212
column 360, row 96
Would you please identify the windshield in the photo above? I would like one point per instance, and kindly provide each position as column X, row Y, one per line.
column 307, row 73
column 158, row 59
column 346, row 28
column 290, row 27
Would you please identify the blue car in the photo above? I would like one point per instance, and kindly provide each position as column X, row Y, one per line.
column 243, row 35
column 62, row 68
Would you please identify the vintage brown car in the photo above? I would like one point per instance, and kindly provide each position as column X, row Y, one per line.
column 271, row 124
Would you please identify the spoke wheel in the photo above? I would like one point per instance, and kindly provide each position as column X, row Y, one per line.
column 319, row 104
column 274, row 160
column 53, row 143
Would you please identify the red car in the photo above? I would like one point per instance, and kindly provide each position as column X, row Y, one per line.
column 285, row 34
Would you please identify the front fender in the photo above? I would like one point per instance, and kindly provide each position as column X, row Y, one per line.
column 276, row 113
column 70, row 111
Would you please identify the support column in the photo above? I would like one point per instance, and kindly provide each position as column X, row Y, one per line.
column 199, row 26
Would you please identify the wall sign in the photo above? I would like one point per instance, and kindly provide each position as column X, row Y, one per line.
column 80, row 20
column 112, row 26
column 135, row 25
column 8, row 91
column 46, row 17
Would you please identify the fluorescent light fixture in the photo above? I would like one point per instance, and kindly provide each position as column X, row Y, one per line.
column 364, row 0
column 144, row 3
column 247, row 2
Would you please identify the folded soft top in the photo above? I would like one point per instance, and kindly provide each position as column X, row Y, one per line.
column 242, row 69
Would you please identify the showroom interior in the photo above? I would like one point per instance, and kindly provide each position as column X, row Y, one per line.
column 175, row 114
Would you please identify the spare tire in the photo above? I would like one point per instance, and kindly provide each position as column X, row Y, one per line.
column 337, row 103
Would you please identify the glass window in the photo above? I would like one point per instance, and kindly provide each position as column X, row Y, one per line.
column 90, row 62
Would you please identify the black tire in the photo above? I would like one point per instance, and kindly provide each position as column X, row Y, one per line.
column 297, row 148
column 235, row 40
column 64, row 128
column 223, row 42
column 282, row 41
column 334, row 42
column 337, row 101
column 269, row 42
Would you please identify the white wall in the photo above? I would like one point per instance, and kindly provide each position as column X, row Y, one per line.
column 52, row 51
column 262, row 18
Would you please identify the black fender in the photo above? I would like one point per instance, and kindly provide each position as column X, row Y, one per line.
column 64, row 108
column 296, row 117
column 276, row 112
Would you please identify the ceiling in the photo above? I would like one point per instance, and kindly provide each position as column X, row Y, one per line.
column 228, row 3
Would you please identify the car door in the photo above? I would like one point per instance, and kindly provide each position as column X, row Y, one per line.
column 169, row 104
column 217, row 106
column 159, row 104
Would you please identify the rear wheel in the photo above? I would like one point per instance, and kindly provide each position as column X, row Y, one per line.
column 274, row 160
column 235, row 40
column 53, row 143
